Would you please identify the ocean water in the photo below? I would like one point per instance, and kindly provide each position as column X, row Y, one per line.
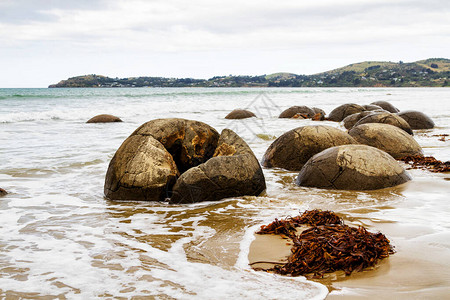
column 59, row 237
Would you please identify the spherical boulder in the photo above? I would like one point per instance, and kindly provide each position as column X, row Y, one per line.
column 388, row 138
column 104, row 119
column 386, row 118
column 297, row 111
column 386, row 106
column 232, row 171
column 352, row 167
column 185, row 160
column 240, row 114
column 293, row 149
column 416, row 119
column 339, row 113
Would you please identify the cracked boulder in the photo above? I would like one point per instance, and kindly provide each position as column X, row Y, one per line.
column 319, row 114
column 293, row 149
column 386, row 106
column 339, row 113
column 352, row 167
column 298, row 112
column 416, row 119
column 104, row 119
column 388, row 138
column 386, row 118
column 149, row 162
column 232, row 171
column 372, row 107
column 240, row 114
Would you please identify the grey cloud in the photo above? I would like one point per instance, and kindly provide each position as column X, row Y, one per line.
column 25, row 11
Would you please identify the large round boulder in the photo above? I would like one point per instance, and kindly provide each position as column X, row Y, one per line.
column 352, row 167
column 339, row 113
column 416, row 119
column 232, row 171
column 104, row 119
column 240, row 114
column 388, row 138
column 293, row 149
column 386, row 118
column 296, row 111
column 151, row 161
column 386, row 106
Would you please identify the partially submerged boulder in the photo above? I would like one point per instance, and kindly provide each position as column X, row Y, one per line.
column 319, row 114
column 386, row 118
column 240, row 114
column 232, row 171
column 339, row 113
column 104, row 118
column 293, row 149
column 352, row 167
column 416, row 119
column 388, row 138
column 351, row 120
column 372, row 107
column 149, row 162
column 386, row 106
column 3, row 192
column 297, row 111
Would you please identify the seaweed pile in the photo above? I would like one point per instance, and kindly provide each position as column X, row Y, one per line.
column 327, row 246
column 427, row 162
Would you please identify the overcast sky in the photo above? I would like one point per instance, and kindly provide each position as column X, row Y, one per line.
column 44, row 41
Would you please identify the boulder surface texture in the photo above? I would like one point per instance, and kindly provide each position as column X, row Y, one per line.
column 157, row 154
column 352, row 167
column 386, row 118
column 386, row 106
column 295, row 111
column 339, row 113
column 388, row 138
column 293, row 149
column 416, row 119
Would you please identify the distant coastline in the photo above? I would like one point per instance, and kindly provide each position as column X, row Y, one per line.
column 433, row 72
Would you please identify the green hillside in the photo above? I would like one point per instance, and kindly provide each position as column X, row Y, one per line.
column 433, row 72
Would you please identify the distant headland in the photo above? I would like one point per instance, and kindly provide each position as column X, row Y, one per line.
column 433, row 72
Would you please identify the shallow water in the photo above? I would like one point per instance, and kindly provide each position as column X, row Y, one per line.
column 60, row 238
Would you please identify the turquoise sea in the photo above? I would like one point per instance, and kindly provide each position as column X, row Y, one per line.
column 59, row 237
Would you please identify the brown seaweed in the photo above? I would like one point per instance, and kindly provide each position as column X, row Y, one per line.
column 328, row 246
column 427, row 162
